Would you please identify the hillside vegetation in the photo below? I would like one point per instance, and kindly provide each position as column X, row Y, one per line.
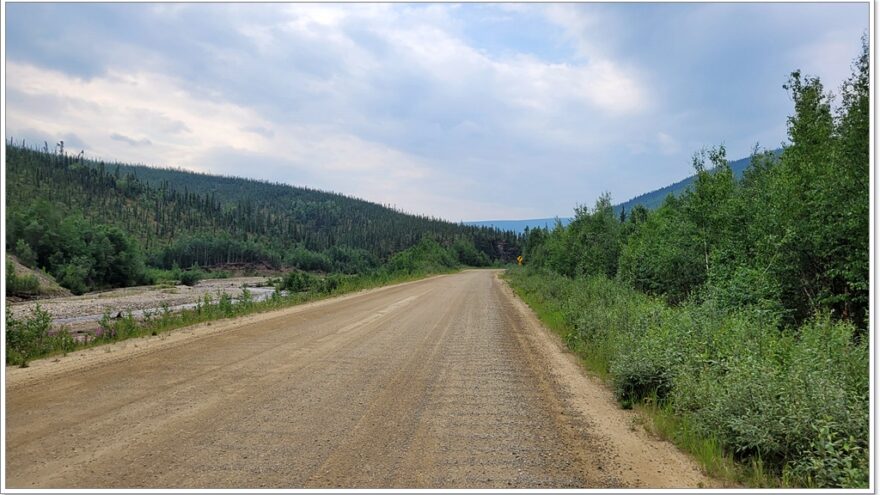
column 95, row 225
column 740, row 308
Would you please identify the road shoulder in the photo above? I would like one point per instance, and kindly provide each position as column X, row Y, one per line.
column 640, row 460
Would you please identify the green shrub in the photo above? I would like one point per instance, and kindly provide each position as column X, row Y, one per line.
column 75, row 276
column 246, row 299
column 224, row 303
column 25, row 254
column 427, row 256
column 747, row 288
column 119, row 327
column 297, row 282
column 330, row 284
column 28, row 338
column 831, row 459
column 62, row 341
column 191, row 277
column 305, row 259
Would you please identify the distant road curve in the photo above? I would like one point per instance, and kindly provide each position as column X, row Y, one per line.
column 447, row 382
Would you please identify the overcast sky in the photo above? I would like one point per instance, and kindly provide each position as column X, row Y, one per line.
column 466, row 112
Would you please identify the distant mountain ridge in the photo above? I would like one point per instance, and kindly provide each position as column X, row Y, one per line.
column 650, row 200
column 519, row 226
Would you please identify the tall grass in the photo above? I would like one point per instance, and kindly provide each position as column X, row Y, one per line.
column 751, row 402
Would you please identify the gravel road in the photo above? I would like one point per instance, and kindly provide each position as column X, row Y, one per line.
column 447, row 382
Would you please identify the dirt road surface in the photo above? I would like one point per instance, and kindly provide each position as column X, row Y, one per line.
column 445, row 382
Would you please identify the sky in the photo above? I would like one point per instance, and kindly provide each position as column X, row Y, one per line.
column 459, row 111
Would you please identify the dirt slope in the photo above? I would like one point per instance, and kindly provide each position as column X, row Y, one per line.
column 48, row 286
column 447, row 382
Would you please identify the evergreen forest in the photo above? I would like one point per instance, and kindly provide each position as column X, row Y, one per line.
column 96, row 225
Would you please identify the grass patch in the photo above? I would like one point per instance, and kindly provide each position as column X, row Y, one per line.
column 553, row 318
column 706, row 450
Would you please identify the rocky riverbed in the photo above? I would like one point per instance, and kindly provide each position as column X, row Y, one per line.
column 81, row 313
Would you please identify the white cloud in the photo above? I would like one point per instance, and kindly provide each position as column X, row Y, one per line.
column 130, row 104
column 604, row 81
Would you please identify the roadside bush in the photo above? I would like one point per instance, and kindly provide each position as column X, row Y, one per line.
column 747, row 288
column 769, row 400
column 643, row 371
column 246, row 300
column 224, row 304
column 330, row 283
column 121, row 327
column 298, row 282
column 832, row 459
column 28, row 338
column 793, row 401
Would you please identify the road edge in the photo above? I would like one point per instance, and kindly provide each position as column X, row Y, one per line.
column 623, row 430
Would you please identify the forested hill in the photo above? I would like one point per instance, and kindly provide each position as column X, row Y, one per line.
column 182, row 218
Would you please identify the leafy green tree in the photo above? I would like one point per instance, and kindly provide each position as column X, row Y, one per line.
column 25, row 254
column 425, row 257
column 596, row 238
column 559, row 250
column 665, row 256
column 468, row 254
